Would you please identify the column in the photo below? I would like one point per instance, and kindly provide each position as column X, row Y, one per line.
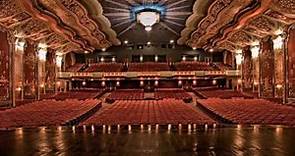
column 12, row 85
column 267, row 85
column 290, row 59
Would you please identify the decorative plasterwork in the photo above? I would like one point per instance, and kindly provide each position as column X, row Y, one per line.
column 62, row 24
column 265, row 21
column 220, row 13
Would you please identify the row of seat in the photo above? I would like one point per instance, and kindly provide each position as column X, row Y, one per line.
column 251, row 111
column 146, row 67
column 194, row 66
column 220, row 93
column 80, row 95
column 104, row 67
column 45, row 113
column 136, row 112
column 76, row 67
column 172, row 94
column 127, row 94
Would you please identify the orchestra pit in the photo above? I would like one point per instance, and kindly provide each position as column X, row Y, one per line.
column 147, row 77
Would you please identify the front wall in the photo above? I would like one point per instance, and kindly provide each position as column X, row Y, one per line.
column 267, row 69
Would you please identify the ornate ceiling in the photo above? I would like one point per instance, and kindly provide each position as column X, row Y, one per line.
column 79, row 25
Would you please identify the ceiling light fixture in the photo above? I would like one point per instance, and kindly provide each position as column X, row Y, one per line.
column 148, row 19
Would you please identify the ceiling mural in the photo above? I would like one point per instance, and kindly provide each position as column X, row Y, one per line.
column 88, row 25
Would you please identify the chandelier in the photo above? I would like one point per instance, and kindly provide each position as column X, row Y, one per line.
column 148, row 19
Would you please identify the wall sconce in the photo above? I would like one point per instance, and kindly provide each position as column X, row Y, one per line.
column 141, row 83
column 240, row 81
column 103, row 83
column 214, row 82
column 156, row 83
column 179, row 83
column 194, row 82
column 239, row 57
column 255, row 50
column 183, row 58
column 59, row 59
column 118, row 83
column 279, row 86
column 42, row 51
column 278, row 42
column 84, row 83
column 20, row 45
column 156, row 58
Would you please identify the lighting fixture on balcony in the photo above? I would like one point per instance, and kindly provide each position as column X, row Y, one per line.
column 148, row 19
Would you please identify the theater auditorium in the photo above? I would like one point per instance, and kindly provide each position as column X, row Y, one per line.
column 147, row 77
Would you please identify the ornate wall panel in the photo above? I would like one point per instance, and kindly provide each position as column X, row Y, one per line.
column 4, row 66
column 247, row 68
column 50, row 70
column 267, row 68
column 279, row 71
column 30, row 73
column 291, row 63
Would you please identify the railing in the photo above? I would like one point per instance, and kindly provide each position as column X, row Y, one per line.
column 162, row 74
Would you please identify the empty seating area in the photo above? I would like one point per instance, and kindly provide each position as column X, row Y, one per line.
column 126, row 94
column 80, row 95
column 194, row 66
column 46, row 113
column 250, row 111
column 223, row 67
column 75, row 68
column 172, row 94
column 104, row 67
column 149, row 66
column 162, row 112
column 223, row 94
